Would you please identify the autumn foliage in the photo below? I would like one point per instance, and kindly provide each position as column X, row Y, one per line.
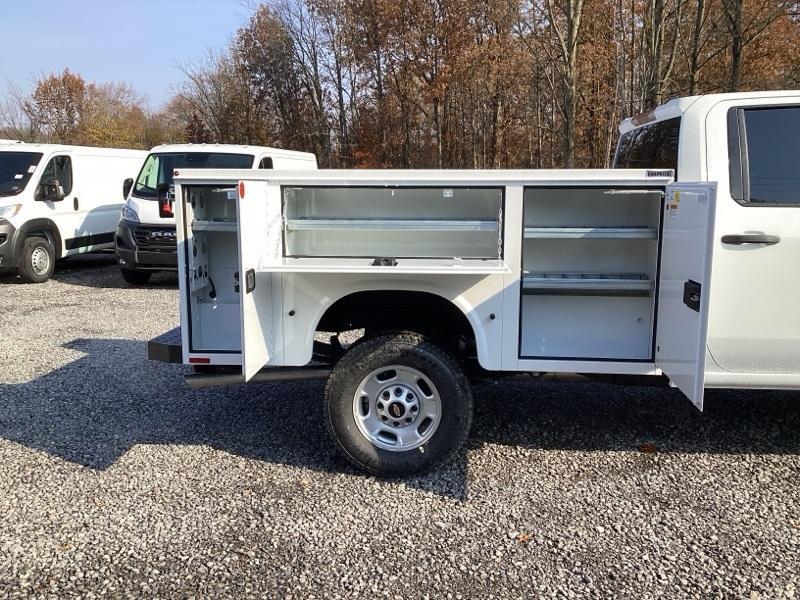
column 441, row 83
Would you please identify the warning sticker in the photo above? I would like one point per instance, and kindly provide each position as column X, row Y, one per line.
column 676, row 201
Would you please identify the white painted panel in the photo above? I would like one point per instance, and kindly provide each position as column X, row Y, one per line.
column 685, row 257
column 256, row 303
column 592, row 327
column 217, row 327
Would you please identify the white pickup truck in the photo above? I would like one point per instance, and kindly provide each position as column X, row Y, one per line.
column 675, row 267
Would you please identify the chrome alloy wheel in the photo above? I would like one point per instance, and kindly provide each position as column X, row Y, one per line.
column 397, row 408
column 40, row 260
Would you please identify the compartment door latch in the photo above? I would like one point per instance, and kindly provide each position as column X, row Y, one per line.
column 249, row 280
column 691, row 294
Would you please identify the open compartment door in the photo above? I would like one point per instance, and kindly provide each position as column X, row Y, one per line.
column 684, row 286
column 255, row 287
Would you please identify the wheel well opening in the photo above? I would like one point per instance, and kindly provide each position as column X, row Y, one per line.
column 46, row 232
column 380, row 310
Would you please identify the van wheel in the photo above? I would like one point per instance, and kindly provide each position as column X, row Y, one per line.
column 397, row 404
column 38, row 260
column 135, row 277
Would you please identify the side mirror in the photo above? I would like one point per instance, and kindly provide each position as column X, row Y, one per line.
column 162, row 189
column 51, row 191
column 166, row 195
column 126, row 187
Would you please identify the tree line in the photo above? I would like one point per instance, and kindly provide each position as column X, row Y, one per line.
column 435, row 83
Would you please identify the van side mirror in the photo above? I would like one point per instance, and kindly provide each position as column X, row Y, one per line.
column 126, row 187
column 166, row 195
column 51, row 191
column 162, row 190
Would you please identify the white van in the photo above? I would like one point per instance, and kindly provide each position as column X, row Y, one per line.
column 56, row 201
column 145, row 240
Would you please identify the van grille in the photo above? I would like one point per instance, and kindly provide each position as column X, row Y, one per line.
column 156, row 239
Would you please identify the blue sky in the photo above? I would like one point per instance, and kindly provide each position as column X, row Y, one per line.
column 140, row 42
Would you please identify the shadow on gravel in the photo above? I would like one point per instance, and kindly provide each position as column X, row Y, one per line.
column 96, row 270
column 96, row 408
column 101, row 271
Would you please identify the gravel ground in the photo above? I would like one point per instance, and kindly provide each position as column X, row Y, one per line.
column 117, row 480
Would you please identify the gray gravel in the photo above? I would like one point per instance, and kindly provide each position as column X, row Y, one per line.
column 117, row 480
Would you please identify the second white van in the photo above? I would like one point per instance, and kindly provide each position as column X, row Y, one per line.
column 145, row 240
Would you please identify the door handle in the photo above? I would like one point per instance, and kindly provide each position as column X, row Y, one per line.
column 75, row 203
column 751, row 238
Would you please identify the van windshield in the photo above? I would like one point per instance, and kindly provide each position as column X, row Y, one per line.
column 653, row 146
column 158, row 168
column 16, row 169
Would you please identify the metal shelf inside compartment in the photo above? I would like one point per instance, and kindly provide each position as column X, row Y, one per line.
column 309, row 224
column 216, row 225
column 404, row 266
column 611, row 282
column 648, row 233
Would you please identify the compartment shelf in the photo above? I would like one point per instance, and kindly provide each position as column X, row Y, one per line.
column 643, row 233
column 588, row 282
column 391, row 224
column 217, row 225
column 413, row 266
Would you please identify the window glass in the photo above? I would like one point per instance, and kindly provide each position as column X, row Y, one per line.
column 158, row 168
column 653, row 146
column 266, row 163
column 16, row 169
column 59, row 169
column 772, row 155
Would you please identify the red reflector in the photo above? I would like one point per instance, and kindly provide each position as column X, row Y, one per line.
column 241, row 189
column 202, row 360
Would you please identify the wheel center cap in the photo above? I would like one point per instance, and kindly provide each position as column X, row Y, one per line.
column 397, row 410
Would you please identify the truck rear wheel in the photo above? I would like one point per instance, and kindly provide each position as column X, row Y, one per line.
column 397, row 404
column 37, row 261
column 135, row 277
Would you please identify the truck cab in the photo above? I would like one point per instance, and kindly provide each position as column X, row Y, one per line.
column 749, row 145
column 145, row 237
column 56, row 201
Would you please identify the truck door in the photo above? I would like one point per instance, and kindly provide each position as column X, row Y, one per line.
column 253, row 213
column 755, row 322
column 684, row 286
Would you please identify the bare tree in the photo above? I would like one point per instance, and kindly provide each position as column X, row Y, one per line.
column 565, row 20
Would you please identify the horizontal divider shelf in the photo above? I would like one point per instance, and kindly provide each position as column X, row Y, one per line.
column 392, row 224
column 412, row 266
column 590, row 282
column 644, row 233
column 229, row 226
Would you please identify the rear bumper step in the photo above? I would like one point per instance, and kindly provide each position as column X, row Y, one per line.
column 166, row 347
column 203, row 380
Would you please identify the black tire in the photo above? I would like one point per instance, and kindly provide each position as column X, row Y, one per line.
column 403, row 349
column 135, row 277
column 37, row 261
